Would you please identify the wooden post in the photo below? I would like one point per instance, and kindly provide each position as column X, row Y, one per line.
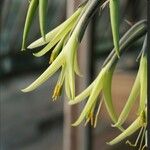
column 78, row 138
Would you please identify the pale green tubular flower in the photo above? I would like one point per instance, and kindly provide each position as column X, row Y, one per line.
column 139, row 88
column 58, row 33
column 63, row 56
column 143, row 79
column 67, row 57
column 139, row 123
column 101, row 84
column 103, row 81
column 65, row 60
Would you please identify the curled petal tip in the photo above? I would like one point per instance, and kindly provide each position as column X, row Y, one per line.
column 30, row 46
column 108, row 143
column 25, row 90
column 117, row 125
column 71, row 102
column 114, row 125
column 75, row 124
column 36, row 55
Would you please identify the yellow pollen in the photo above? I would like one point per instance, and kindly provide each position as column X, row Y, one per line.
column 57, row 92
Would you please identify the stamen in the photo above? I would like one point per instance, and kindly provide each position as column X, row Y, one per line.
column 142, row 139
column 136, row 142
column 57, row 92
column 92, row 118
column 98, row 110
column 87, row 121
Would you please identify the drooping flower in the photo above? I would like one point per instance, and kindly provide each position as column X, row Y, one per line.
column 57, row 34
column 139, row 123
column 64, row 60
column 101, row 84
column 139, row 88
column 64, row 56
column 103, row 81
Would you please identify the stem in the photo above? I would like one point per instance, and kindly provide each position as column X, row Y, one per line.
column 133, row 34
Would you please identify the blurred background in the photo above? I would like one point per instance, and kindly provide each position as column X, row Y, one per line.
column 31, row 121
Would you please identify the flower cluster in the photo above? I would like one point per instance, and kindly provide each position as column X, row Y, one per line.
column 139, row 88
column 64, row 41
column 63, row 56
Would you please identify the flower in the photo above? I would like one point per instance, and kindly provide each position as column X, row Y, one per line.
column 101, row 83
column 64, row 60
column 64, row 55
column 139, row 88
column 66, row 39
column 139, row 123
column 57, row 34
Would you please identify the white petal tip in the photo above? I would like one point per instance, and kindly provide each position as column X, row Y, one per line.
column 116, row 125
column 36, row 55
column 71, row 102
column 24, row 90
column 109, row 143
column 30, row 46
column 74, row 124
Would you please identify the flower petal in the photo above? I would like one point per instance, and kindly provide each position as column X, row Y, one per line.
column 56, row 50
column 82, row 96
column 137, row 124
column 76, row 66
column 143, row 82
column 54, row 41
column 94, row 94
column 49, row 72
column 132, row 98
column 67, row 88
column 107, row 81
column 49, row 36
